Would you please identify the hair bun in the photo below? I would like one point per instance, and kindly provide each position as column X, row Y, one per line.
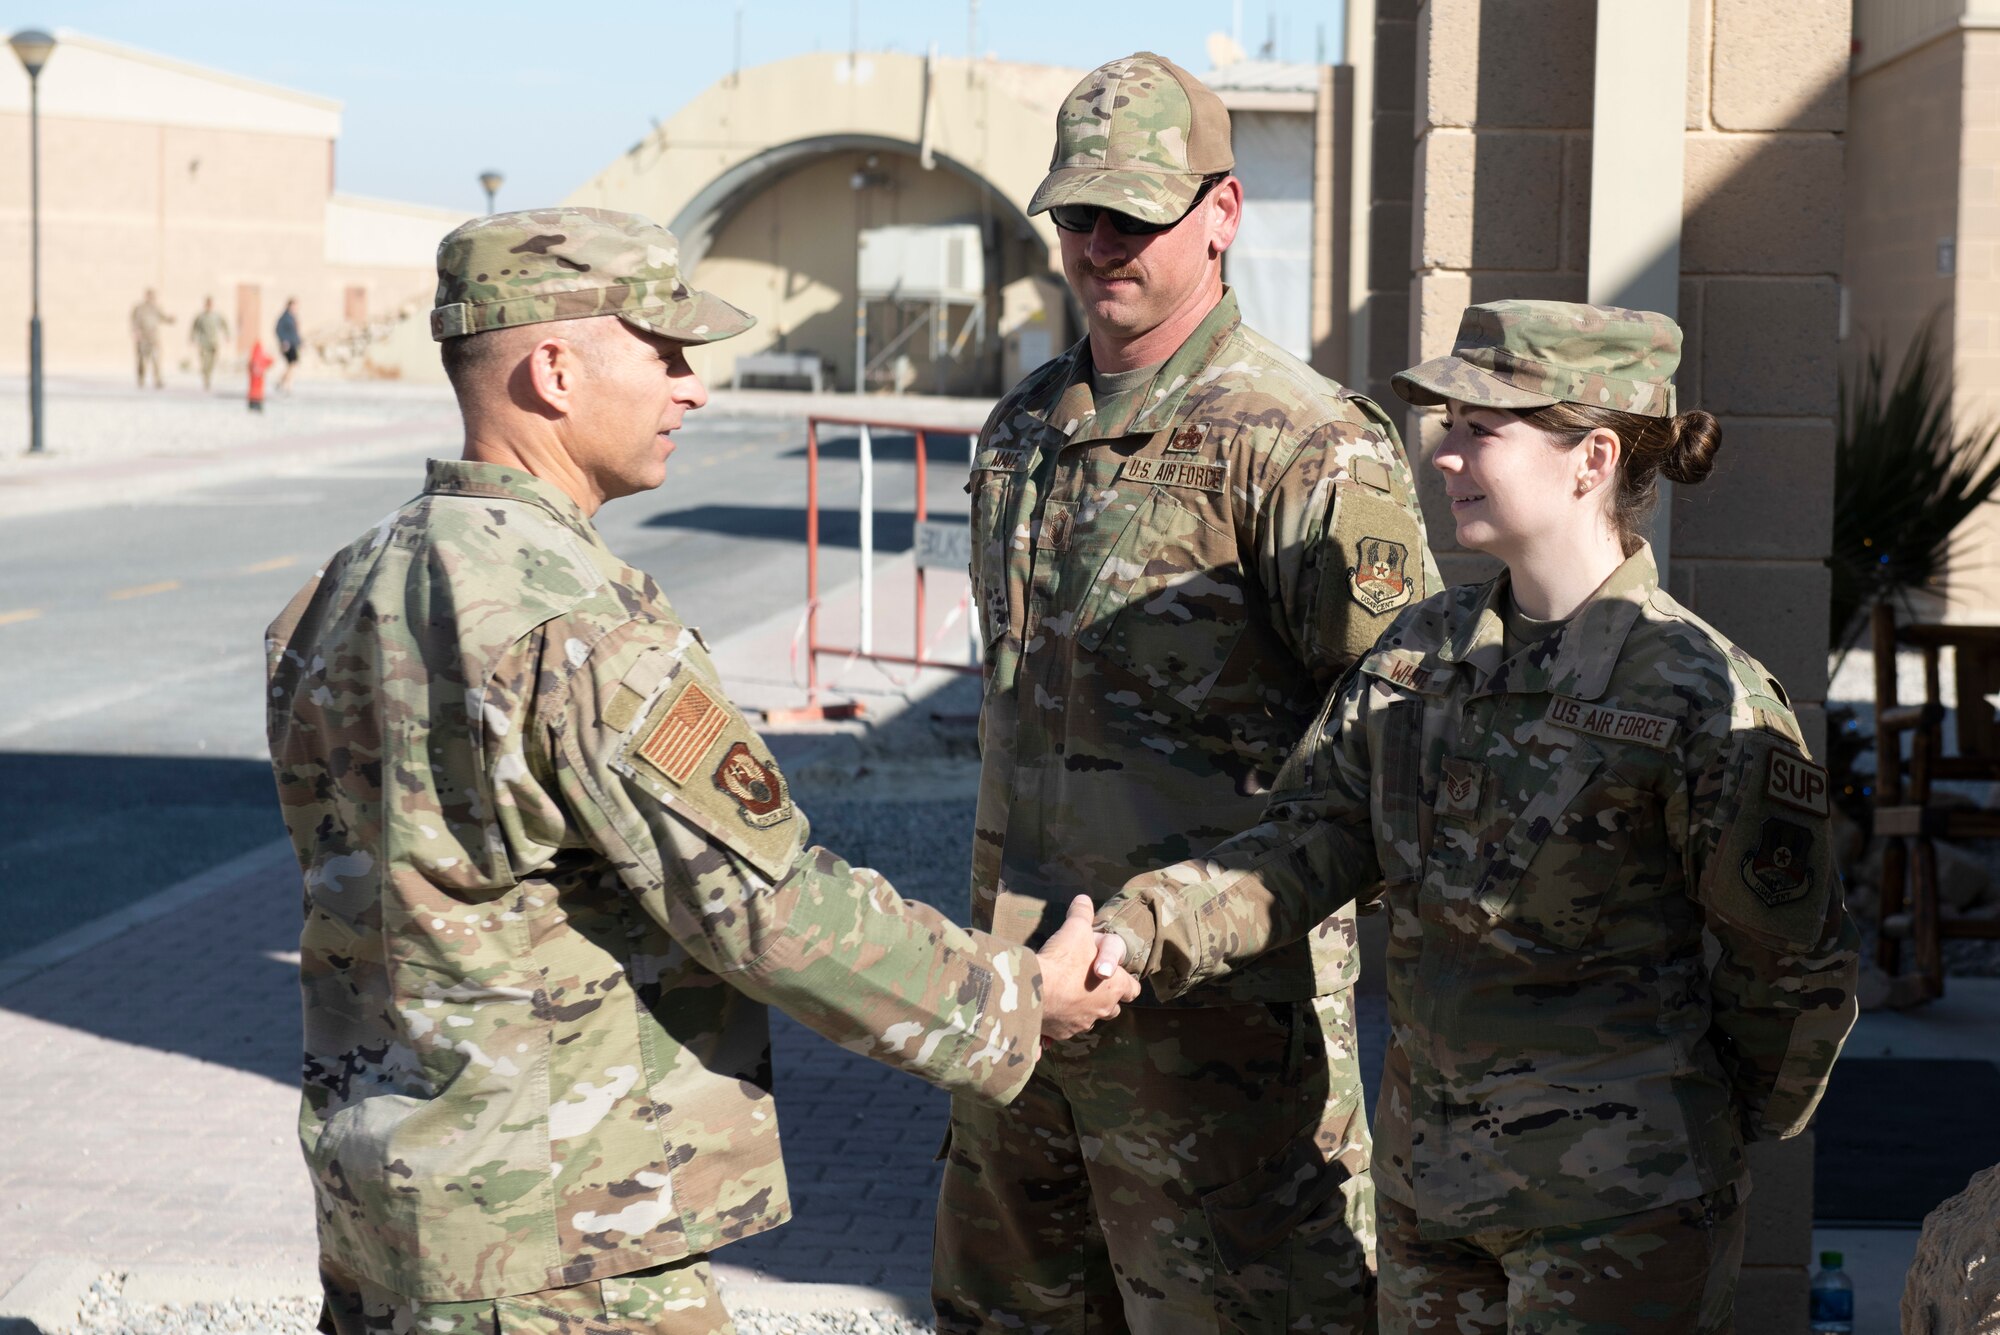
column 1691, row 456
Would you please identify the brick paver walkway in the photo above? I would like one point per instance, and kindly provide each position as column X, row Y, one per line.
column 150, row 1095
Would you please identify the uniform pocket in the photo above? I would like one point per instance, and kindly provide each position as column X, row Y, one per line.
column 1559, row 862
column 1398, row 805
column 1169, row 604
column 1252, row 1215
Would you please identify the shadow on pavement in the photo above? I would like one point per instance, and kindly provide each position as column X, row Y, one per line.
column 88, row 835
column 941, row 449
column 895, row 530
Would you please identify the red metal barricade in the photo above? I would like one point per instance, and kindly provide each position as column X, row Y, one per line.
column 864, row 648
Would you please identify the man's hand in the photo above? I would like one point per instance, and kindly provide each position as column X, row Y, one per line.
column 1082, row 982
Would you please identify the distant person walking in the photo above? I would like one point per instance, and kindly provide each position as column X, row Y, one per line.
column 288, row 342
column 260, row 362
column 206, row 332
column 147, row 317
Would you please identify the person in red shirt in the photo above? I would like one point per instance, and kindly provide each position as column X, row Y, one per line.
column 260, row 362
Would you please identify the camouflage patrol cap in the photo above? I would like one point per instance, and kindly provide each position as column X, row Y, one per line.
column 569, row 264
column 1137, row 136
column 1529, row 354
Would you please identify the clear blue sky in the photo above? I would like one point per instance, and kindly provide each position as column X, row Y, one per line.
column 548, row 93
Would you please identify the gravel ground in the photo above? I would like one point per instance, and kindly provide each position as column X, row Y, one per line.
column 105, row 1312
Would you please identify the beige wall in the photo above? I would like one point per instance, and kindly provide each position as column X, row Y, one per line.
column 127, row 206
column 787, row 254
column 1924, row 168
column 195, row 183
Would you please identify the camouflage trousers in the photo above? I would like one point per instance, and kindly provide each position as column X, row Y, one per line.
column 1170, row 1172
column 1668, row 1271
column 678, row 1298
column 147, row 354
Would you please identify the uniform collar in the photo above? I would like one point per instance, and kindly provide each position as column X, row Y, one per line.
column 1578, row 661
column 469, row 477
column 1152, row 409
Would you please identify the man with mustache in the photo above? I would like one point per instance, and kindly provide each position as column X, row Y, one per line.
column 552, row 877
column 1181, row 537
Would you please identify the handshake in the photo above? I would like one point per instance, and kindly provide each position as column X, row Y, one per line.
column 1082, row 982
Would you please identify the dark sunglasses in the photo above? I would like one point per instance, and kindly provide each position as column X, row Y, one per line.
column 1083, row 217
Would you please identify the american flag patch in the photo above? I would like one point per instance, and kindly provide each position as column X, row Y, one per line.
column 680, row 739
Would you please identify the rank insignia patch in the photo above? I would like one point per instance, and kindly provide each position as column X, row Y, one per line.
column 1779, row 870
column 683, row 735
column 1189, row 438
column 1378, row 579
column 758, row 788
column 1458, row 789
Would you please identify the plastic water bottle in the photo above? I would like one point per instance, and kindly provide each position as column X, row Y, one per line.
column 1832, row 1298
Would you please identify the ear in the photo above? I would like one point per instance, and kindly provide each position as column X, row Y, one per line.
column 1598, row 455
column 552, row 367
column 1225, row 210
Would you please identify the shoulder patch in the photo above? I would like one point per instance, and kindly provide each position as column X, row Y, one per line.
column 1781, row 868
column 694, row 753
column 688, row 726
column 1618, row 725
column 762, row 799
column 1796, row 783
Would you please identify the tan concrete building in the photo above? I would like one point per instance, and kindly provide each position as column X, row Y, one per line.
column 771, row 177
column 1923, row 216
column 1563, row 149
column 193, row 182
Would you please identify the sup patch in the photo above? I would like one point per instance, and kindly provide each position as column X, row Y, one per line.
column 1779, row 870
column 759, row 790
column 684, row 733
column 1797, row 783
column 1379, row 577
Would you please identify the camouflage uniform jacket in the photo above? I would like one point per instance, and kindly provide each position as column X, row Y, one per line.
column 1169, row 581
column 1559, row 834
column 551, row 880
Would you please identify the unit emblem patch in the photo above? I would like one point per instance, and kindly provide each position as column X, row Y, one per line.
column 1779, row 870
column 758, row 788
column 1379, row 578
column 684, row 733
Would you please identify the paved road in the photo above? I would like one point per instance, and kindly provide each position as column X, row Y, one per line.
column 131, row 744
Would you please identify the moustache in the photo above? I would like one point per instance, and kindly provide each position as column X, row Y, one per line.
column 1114, row 272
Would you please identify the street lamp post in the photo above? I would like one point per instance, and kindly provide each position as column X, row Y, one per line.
column 33, row 47
column 491, row 182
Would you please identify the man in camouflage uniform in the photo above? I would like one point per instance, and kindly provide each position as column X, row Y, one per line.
column 1566, row 818
column 206, row 332
column 552, row 877
column 1181, row 537
column 147, row 317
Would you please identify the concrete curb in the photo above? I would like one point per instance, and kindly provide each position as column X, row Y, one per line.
column 49, row 1297
column 276, row 855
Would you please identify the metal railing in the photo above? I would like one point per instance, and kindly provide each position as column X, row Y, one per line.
column 933, row 549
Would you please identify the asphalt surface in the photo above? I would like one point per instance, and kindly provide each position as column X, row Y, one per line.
column 132, row 744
